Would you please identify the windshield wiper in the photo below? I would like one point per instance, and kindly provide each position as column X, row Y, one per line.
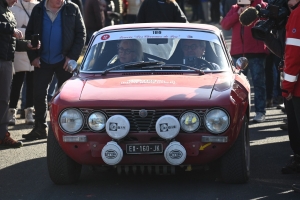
column 143, row 64
column 201, row 72
column 135, row 65
column 163, row 67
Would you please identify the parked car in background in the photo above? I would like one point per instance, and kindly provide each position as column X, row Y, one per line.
column 153, row 98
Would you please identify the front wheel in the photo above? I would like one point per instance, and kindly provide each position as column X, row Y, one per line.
column 62, row 169
column 235, row 164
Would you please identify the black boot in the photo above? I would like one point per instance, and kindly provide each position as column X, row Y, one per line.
column 293, row 167
column 38, row 132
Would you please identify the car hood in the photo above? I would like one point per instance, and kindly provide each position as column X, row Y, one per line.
column 150, row 90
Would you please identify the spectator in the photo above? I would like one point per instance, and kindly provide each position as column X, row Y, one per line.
column 200, row 11
column 205, row 10
column 160, row 11
column 119, row 8
column 227, row 6
column 79, row 4
column 243, row 44
column 22, row 66
column 195, row 10
column 61, row 26
column 132, row 10
column 269, row 80
column 9, row 42
column 276, row 43
column 181, row 4
column 272, row 73
column 215, row 11
column 94, row 16
column 291, row 84
column 124, row 13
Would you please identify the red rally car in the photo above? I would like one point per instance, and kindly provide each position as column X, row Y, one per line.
column 152, row 97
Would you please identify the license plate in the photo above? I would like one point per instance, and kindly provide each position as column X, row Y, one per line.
column 143, row 148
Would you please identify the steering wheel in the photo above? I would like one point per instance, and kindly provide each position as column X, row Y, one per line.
column 198, row 63
column 204, row 65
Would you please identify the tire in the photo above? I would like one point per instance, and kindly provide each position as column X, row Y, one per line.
column 235, row 164
column 62, row 169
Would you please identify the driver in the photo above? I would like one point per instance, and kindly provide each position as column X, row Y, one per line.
column 130, row 51
column 195, row 49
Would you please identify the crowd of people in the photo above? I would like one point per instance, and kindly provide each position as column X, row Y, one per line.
column 73, row 22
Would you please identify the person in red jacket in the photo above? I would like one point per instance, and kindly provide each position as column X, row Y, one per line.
column 291, row 83
column 243, row 44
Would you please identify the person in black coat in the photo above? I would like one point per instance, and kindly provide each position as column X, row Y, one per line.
column 63, row 37
column 160, row 11
column 10, row 41
column 79, row 4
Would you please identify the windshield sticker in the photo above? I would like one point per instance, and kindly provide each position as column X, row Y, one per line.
column 105, row 37
column 166, row 34
column 140, row 81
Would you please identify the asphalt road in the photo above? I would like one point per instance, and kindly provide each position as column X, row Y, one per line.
column 24, row 175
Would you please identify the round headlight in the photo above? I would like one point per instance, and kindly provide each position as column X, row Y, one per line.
column 71, row 120
column 96, row 121
column 190, row 122
column 217, row 121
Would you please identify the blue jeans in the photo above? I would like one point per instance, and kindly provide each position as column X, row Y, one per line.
column 257, row 68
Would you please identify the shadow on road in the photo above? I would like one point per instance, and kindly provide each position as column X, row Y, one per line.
column 30, row 180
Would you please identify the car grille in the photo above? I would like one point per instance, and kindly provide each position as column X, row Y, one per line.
column 146, row 124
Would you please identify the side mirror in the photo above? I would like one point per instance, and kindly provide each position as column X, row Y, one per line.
column 241, row 63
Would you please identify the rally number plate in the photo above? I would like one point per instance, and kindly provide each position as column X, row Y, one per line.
column 143, row 148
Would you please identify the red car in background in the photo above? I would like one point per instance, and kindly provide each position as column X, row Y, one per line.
column 179, row 102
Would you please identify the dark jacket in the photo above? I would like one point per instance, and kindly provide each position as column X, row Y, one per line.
column 8, row 43
column 74, row 33
column 160, row 11
column 94, row 14
column 79, row 4
column 276, row 43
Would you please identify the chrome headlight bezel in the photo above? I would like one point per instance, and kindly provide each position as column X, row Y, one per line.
column 88, row 117
column 213, row 131
column 199, row 119
column 62, row 128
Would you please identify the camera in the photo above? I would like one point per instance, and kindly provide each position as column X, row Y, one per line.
column 276, row 15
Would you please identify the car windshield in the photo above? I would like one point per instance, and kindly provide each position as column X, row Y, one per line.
column 155, row 50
